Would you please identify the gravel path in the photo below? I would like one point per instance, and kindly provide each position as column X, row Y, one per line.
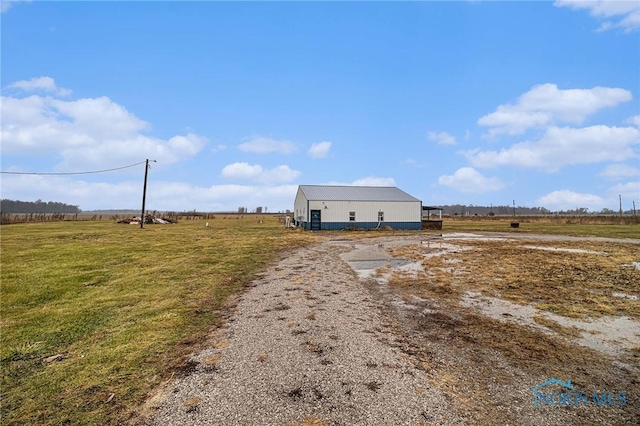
column 307, row 343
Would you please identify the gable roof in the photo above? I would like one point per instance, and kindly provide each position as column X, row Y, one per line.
column 355, row 193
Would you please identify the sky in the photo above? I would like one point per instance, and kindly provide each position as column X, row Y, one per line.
column 459, row 102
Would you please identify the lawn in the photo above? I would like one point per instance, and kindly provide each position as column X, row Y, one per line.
column 95, row 314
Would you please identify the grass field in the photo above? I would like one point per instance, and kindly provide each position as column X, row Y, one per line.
column 597, row 226
column 119, row 306
column 95, row 315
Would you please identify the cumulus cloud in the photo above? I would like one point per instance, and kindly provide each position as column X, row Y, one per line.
column 43, row 84
column 319, row 150
column 613, row 14
column 374, row 181
column 620, row 171
column 443, row 138
column 469, row 180
column 263, row 145
column 567, row 200
column 561, row 146
column 255, row 172
column 241, row 171
column 545, row 105
column 367, row 181
column 279, row 174
column 86, row 133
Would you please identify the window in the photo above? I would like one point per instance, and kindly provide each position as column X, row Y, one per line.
column 380, row 216
column 352, row 216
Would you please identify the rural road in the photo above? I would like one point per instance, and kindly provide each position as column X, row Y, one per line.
column 307, row 344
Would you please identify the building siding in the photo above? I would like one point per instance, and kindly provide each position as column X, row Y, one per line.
column 405, row 214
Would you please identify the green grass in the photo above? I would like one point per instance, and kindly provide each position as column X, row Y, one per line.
column 123, row 306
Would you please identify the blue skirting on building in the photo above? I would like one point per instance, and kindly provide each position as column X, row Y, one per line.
column 339, row 226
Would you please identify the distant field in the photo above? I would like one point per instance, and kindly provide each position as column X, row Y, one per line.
column 595, row 226
column 96, row 314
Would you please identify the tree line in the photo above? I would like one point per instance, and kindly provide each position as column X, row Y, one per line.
column 471, row 210
column 39, row 206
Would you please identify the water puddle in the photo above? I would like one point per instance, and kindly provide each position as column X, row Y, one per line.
column 608, row 335
column 567, row 250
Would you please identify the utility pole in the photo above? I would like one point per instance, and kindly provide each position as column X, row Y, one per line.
column 144, row 191
column 620, row 197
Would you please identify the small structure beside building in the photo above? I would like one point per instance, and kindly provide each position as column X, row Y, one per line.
column 325, row 207
column 429, row 219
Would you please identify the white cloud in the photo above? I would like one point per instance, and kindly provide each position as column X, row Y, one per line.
column 635, row 120
column 279, row 174
column 374, row 181
column 241, row 171
column 88, row 133
column 5, row 5
column 615, row 14
column 245, row 171
column 468, row 180
column 545, row 104
column 629, row 191
column 263, row 145
column 560, row 146
column 568, row 200
column 443, row 138
column 319, row 150
column 620, row 171
column 367, row 181
column 44, row 84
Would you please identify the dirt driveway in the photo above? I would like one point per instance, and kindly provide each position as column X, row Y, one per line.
column 369, row 331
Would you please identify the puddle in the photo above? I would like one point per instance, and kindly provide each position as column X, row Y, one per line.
column 360, row 265
column 608, row 335
column 470, row 236
column 567, row 250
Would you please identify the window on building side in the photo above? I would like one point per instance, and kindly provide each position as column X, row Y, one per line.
column 352, row 216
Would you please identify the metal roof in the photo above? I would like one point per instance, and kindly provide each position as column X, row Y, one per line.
column 355, row 193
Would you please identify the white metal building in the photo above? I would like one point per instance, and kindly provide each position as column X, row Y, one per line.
column 322, row 207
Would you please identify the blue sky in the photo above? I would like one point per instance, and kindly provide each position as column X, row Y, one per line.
column 240, row 102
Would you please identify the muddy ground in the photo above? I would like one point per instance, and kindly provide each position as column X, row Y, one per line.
column 426, row 329
column 491, row 316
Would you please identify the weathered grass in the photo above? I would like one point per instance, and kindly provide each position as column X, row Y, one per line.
column 121, row 305
column 567, row 283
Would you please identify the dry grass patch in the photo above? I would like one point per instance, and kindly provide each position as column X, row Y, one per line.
column 569, row 283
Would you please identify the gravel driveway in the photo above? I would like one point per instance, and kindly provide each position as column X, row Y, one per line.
column 307, row 344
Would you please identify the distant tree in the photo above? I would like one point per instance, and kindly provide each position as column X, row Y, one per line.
column 38, row 206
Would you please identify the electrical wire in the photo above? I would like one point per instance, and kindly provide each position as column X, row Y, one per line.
column 73, row 173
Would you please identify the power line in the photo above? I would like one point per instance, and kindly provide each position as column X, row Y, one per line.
column 73, row 173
